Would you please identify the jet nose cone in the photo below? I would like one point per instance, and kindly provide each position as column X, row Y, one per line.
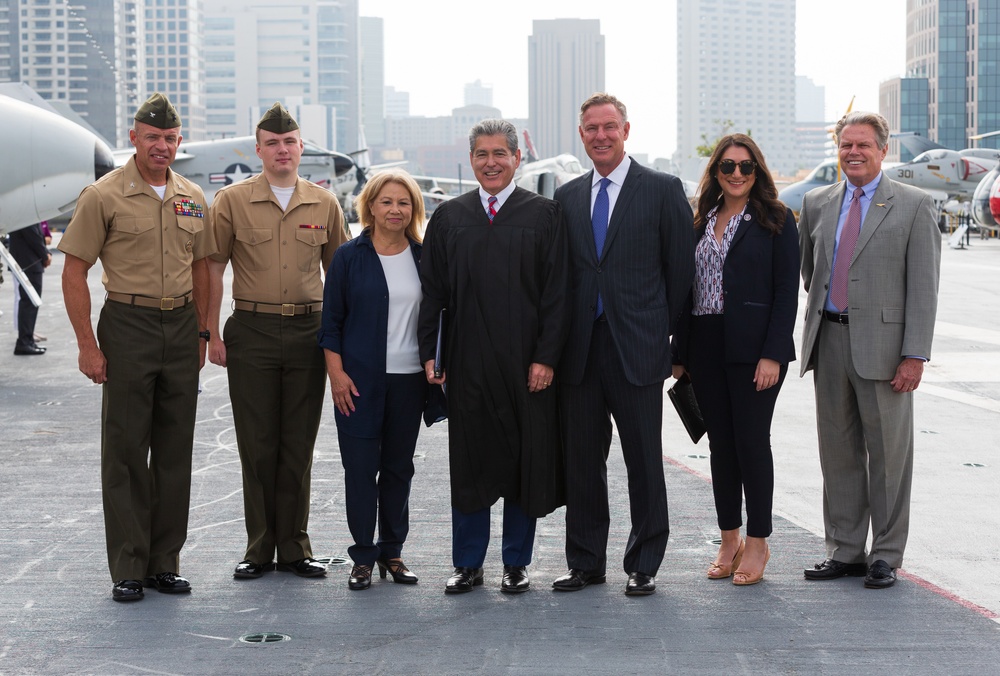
column 104, row 161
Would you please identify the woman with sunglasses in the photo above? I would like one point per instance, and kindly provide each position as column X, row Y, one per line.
column 734, row 341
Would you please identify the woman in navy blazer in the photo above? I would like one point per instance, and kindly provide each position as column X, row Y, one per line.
column 734, row 341
column 369, row 336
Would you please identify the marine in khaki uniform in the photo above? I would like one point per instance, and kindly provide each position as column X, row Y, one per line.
column 147, row 226
column 279, row 231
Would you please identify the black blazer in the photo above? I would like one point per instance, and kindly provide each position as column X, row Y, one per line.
column 644, row 273
column 760, row 283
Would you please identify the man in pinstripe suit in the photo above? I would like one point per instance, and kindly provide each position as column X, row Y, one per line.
column 871, row 258
column 632, row 258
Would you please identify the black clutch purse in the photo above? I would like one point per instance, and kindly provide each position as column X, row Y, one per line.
column 682, row 397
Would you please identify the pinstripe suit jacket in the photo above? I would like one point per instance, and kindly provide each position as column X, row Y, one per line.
column 644, row 273
column 892, row 281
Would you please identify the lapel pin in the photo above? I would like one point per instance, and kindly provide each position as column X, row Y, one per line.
column 880, row 205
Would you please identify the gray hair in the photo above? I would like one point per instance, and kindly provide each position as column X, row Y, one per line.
column 493, row 128
column 873, row 120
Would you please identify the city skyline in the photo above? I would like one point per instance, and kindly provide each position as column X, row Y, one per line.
column 444, row 43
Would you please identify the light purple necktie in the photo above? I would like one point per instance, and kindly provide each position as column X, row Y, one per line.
column 845, row 252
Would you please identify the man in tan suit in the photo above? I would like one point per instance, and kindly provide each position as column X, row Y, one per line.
column 147, row 226
column 279, row 231
column 871, row 257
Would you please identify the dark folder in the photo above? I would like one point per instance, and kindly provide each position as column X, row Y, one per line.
column 682, row 397
column 439, row 350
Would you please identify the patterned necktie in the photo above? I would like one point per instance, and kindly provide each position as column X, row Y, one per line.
column 845, row 252
column 599, row 221
column 493, row 207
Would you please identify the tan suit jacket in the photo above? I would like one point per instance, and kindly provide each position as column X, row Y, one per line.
column 893, row 278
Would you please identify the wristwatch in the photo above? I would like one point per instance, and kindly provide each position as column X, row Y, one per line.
column 206, row 334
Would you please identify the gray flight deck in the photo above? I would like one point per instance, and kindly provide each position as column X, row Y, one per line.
column 57, row 616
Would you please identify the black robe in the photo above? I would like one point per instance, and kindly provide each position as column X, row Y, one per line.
column 505, row 286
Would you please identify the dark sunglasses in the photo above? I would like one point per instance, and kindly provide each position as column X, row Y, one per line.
column 729, row 166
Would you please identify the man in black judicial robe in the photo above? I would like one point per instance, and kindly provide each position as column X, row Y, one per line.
column 497, row 260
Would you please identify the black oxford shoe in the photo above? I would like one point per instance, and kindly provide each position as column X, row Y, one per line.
column 515, row 579
column 127, row 590
column 880, row 576
column 577, row 579
column 463, row 580
column 248, row 570
column 168, row 583
column 22, row 350
column 640, row 584
column 831, row 569
column 307, row 567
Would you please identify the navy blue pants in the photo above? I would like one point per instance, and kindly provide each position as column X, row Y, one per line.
column 378, row 472
column 470, row 536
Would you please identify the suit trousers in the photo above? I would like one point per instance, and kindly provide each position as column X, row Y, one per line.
column 150, row 401
column 277, row 379
column 378, row 472
column 586, row 410
column 866, row 454
column 27, row 313
column 470, row 536
column 738, row 421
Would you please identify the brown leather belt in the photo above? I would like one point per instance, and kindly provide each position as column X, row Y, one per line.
column 283, row 309
column 145, row 301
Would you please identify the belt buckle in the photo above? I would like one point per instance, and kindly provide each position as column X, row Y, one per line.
column 288, row 309
column 167, row 303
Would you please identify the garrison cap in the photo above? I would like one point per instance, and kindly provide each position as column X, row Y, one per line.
column 157, row 111
column 277, row 120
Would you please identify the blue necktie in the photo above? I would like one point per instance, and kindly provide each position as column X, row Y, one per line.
column 492, row 212
column 599, row 220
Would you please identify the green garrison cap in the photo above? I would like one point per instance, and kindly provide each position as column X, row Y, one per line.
column 157, row 111
column 277, row 120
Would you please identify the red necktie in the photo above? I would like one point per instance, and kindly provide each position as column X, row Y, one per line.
column 845, row 252
column 493, row 207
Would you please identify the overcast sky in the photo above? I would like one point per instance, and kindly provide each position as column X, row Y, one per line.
column 432, row 49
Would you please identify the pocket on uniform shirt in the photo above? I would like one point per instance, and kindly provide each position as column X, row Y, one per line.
column 309, row 247
column 138, row 235
column 257, row 247
column 191, row 224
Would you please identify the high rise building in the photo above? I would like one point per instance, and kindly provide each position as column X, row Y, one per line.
column 86, row 54
column 565, row 66
column 299, row 52
column 397, row 104
column 478, row 94
column 175, row 60
column 736, row 73
column 373, row 79
column 950, row 87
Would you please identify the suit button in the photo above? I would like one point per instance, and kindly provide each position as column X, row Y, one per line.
column 598, row 269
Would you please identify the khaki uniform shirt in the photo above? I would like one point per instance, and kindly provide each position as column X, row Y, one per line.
column 277, row 255
column 145, row 244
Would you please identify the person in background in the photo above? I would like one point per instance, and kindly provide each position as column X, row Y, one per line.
column 734, row 340
column 28, row 247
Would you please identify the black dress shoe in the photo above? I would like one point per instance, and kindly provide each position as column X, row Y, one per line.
column 831, row 569
column 168, row 583
column 307, row 567
column 248, row 570
column 463, row 580
column 640, row 584
column 30, row 350
column 361, row 578
column 577, row 579
column 880, row 575
column 127, row 590
column 397, row 569
column 515, row 579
